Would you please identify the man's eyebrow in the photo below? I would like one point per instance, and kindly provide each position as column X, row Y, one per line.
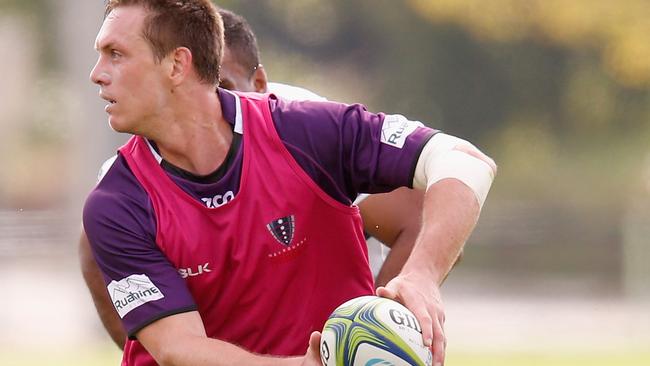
column 105, row 46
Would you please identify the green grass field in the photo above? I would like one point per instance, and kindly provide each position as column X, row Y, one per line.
column 634, row 358
column 110, row 357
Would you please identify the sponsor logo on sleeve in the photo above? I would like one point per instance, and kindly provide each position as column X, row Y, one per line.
column 131, row 292
column 396, row 128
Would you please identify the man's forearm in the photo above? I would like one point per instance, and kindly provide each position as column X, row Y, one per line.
column 180, row 339
column 203, row 351
column 450, row 213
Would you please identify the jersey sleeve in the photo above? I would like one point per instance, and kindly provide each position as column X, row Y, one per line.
column 141, row 282
column 348, row 150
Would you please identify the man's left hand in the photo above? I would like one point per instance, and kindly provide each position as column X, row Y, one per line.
column 422, row 297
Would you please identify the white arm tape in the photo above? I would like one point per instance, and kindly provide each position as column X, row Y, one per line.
column 441, row 159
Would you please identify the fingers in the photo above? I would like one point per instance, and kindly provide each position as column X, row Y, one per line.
column 428, row 311
column 439, row 343
column 419, row 308
column 436, row 313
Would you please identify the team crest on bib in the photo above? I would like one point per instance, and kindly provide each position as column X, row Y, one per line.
column 282, row 229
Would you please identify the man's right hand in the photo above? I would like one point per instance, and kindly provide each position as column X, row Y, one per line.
column 312, row 357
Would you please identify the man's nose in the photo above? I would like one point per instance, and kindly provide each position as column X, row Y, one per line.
column 98, row 74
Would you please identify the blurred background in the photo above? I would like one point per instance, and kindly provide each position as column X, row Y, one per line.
column 557, row 91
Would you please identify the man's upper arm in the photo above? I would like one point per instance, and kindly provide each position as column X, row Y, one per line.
column 141, row 282
column 349, row 147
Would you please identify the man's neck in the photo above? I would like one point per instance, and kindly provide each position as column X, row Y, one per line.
column 195, row 137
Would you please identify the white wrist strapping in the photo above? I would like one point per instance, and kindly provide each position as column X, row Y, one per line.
column 441, row 158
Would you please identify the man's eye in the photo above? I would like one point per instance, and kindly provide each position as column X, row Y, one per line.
column 115, row 54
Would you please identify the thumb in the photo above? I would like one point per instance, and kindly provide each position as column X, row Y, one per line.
column 314, row 341
column 313, row 352
column 386, row 292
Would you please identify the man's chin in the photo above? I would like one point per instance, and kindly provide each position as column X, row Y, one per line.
column 116, row 125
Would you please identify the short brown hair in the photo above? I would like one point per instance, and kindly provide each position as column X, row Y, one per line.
column 195, row 24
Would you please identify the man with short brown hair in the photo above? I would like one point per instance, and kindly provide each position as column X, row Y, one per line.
column 224, row 227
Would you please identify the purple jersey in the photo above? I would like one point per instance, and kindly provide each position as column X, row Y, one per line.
column 343, row 148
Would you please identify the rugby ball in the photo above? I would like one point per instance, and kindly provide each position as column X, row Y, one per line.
column 373, row 331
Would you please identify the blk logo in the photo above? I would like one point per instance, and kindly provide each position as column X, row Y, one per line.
column 193, row 272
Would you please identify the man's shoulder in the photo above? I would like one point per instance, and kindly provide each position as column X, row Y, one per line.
column 118, row 205
column 116, row 185
column 106, row 166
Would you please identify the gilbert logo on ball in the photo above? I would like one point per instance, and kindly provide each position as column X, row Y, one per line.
column 373, row 331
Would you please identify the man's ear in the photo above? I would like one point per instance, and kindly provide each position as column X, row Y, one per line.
column 181, row 64
column 259, row 79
